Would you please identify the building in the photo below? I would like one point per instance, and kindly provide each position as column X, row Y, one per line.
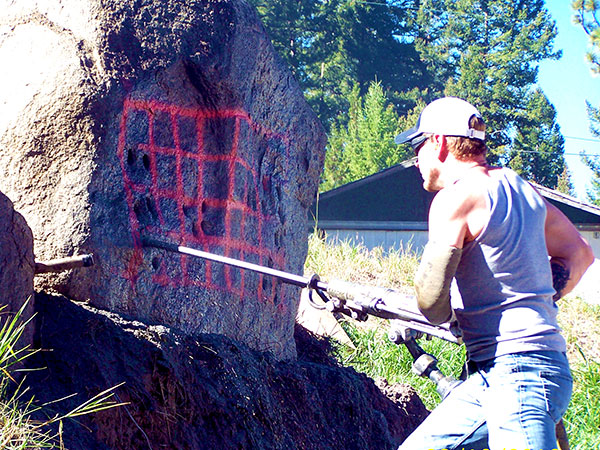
column 387, row 209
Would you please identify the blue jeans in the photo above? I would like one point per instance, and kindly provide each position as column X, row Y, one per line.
column 511, row 402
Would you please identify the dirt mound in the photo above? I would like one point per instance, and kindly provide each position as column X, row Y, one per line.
column 206, row 391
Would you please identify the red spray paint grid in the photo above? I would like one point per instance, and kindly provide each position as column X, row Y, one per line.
column 160, row 147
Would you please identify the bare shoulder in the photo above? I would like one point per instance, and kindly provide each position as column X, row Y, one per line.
column 470, row 192
column 464, row 204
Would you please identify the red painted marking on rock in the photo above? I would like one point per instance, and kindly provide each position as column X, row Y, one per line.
column 224, row 206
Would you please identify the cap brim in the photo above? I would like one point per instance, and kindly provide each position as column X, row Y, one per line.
column 406, row 136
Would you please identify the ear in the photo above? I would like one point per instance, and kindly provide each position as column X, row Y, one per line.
column 441, row 146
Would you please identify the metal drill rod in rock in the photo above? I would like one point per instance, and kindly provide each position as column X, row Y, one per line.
column 358, row 302
column 62, row 264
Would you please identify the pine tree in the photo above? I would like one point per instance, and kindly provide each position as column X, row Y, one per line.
column 487, row 52
column 537, row 152
column 363, row 142
column 587, row 15
column 336, row 43
column 593, row 162
column 593, row 192
column 587, row 12
column 565, row 185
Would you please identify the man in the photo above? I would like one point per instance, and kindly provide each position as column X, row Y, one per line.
column 496, row 236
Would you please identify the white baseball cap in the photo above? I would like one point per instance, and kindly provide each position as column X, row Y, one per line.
column 448, row 116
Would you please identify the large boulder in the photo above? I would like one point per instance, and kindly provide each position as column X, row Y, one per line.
column 170, row 119
column 16, row 266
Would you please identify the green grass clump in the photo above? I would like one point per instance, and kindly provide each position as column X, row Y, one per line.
column 580, row 322
column 17, row 431
column 581, row 419
column 18, row 428
column 376, row 356
column 346, row 261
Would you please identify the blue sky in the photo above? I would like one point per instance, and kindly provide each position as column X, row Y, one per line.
column 568, row 83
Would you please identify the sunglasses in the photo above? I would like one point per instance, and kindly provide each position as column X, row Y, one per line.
column 417, row 142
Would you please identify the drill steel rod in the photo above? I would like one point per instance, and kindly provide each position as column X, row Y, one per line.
column 61, row 264
column 372, row 303
column 289, row 278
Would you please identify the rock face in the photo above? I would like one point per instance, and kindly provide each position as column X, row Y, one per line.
column 169, row 119
column 16, row 264
column 206, row 392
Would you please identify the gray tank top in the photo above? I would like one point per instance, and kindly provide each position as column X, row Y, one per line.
column 504, row 278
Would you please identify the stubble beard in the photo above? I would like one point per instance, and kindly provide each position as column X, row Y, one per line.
column 431, row 182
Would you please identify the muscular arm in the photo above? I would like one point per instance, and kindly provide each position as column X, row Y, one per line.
column 433, row 279
column 566, row 247
column 452, row 221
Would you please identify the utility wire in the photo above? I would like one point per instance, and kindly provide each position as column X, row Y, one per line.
column 582, row 139
column 591, row 155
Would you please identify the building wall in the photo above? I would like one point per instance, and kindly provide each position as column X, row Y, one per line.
column 388, row 239
column 589, row 286
column 413, row 239
column 593, row 237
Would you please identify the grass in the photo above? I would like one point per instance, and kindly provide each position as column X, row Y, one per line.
column 19, row 426
column 348, row 262
column 581, row 419
column 580, row 322
column 376, row 356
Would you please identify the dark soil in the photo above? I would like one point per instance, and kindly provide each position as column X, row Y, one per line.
column 207, row 391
